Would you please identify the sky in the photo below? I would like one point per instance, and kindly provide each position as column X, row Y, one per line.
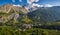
column 23, row 2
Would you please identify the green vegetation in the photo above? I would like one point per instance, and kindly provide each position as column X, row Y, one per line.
column 5, row 30
column 26, row 20
column 16, row 22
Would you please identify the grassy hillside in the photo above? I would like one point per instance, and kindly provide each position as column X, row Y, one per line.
column 4, row 30
column 16, row 21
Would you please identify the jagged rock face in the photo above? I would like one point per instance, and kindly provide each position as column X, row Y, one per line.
column 12, row 12
column 5, row 19
column 8, row 8
column 44, row 14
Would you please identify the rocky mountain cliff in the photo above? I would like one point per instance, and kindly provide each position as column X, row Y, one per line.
column 42, row 14
column 8, row 8
column 9, row 12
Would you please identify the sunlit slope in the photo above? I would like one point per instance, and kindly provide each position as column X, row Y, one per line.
column 10, row 12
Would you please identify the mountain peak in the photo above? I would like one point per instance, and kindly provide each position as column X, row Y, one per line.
column 8, row 8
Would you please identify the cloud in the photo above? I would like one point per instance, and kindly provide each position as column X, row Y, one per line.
column 17, row 5
column 13, row 0
column 36, row 0
column 20, row 0
column 31, row 1
column 38, row 5
column 35, row 5
column 48, row 5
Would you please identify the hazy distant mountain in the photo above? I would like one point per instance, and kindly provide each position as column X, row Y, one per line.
column 45, row 14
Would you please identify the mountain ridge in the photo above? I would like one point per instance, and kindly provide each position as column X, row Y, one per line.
column 7, row 8
column 41, row 14
column 46, row 14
